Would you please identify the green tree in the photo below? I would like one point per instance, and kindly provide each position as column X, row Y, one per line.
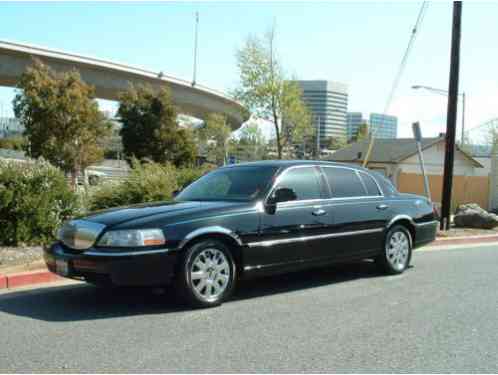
column 297, row 120
column 214, row 136
column 363, row 132
column 250, row 145
column 150, row 129
column 61, row 117
column 336, row 143
column 266, row 92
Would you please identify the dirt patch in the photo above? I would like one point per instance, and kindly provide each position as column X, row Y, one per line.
column 20, row 256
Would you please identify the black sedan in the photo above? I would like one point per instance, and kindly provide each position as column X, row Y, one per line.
column 247, row 220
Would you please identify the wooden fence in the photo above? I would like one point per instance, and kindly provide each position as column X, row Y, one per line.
column 466, row 189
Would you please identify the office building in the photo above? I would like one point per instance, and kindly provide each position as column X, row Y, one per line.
column 353, row 122
column 383, row 126
column 328, row 103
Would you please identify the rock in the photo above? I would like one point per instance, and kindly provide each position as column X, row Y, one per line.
column 472, row 216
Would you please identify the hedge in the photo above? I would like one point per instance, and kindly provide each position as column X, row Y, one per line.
column 34, row 200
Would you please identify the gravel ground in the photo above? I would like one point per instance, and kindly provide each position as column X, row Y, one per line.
column 15, row 256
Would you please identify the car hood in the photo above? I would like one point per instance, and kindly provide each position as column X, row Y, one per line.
column 157, row 211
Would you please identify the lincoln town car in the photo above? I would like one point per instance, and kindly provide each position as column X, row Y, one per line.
column 246, row 220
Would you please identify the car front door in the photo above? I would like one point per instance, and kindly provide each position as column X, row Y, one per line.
column 290, row 231
column 358, row 211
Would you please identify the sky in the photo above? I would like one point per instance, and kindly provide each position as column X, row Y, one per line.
column 357, row 43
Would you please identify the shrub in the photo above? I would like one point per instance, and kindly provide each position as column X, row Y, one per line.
column 16, row 143
column 147, row 182
column 34, row 200
column 185, row 176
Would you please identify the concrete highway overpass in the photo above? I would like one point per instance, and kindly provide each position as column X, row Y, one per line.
column 110, row 78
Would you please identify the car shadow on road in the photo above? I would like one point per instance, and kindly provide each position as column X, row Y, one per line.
column 79, row 302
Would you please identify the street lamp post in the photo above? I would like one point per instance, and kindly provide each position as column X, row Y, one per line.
column 445, row 93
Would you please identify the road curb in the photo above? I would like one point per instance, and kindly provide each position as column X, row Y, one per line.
column 3, row 281
column 448, row 241
column 27, row 278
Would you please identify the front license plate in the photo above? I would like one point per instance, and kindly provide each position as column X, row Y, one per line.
column 61, row 267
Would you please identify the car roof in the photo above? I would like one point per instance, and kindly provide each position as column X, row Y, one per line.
column 292, row 163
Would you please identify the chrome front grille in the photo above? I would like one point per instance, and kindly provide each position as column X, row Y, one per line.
column 80, row 234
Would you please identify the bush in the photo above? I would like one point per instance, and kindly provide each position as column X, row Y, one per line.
column 16, row 143
column 147, row 182
column 185, row 176
column 34, row 200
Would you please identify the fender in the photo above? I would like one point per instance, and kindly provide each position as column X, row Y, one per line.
column 398, row 218
column 210, row 230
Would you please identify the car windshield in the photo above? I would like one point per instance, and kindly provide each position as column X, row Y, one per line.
column 230, row 184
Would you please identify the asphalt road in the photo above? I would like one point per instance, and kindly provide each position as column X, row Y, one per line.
column 440, row 316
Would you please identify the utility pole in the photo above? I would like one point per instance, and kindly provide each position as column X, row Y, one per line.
column 452, row 115
column 195, row 48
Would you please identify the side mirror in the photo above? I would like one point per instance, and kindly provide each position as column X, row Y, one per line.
column 281, row 195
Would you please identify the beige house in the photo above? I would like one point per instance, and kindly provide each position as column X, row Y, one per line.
column 398, row 160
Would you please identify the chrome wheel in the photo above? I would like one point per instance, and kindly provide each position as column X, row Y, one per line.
column 398, row 250
column 210, row 274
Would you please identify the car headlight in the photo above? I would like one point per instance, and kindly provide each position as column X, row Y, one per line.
column 132, row 238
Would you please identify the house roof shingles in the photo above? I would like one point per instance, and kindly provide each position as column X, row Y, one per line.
column 388, row 150
column 384, row 150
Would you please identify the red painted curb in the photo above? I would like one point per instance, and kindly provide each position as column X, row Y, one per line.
column 28, row 278
column 3, row 282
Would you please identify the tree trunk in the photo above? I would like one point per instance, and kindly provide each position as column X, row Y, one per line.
column 73, row 179
column 277, row 130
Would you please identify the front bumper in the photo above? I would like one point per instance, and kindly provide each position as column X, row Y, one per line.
column 131, row 268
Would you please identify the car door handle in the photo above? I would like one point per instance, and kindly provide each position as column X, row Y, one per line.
column 319, row 212
column 382, row 206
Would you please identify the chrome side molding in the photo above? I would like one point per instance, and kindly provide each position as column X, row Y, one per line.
column 311, row 238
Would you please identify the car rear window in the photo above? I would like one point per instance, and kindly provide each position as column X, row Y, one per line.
column 344, row 182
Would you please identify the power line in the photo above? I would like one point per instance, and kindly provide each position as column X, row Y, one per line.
column 397, row 78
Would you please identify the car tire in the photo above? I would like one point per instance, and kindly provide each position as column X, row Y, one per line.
column 397, row 250
column 207, row 274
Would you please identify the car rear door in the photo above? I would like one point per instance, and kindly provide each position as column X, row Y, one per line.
column 292, row 232
column 357, row 210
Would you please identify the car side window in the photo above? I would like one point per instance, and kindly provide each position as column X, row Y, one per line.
column 370, row 185
column 344, row 182
column 302, row 181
